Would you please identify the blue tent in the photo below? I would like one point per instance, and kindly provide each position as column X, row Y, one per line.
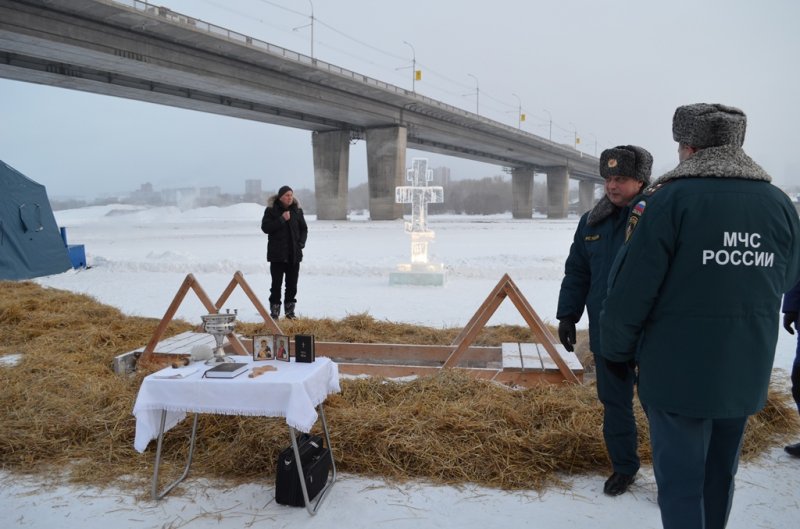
column 30, row 242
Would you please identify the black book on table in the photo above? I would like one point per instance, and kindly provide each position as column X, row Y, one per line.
column 304, row 348
column 226, row 370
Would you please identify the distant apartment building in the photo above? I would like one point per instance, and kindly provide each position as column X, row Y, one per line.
column 209, row 193
column 145, row 195
column 179, row 196
column 253, row 191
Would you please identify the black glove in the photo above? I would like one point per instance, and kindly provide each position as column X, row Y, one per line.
column 789, row 318
column 621, row 369
column 566, row 333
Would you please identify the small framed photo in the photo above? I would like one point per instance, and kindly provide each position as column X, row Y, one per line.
column 282, row 347
column 263, row 347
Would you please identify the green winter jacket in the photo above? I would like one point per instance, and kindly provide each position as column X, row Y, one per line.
column 597, row 240
column 697, row 287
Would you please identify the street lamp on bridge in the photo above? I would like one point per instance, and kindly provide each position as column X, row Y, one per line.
column 550, row 135
column 520, row 115
column 413, row 67
column 312, row 28
column 577, row 139
column 477, row 95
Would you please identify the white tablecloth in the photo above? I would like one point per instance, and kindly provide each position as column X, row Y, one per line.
column 293, row 391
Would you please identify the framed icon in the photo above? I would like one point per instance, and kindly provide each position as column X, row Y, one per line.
column 263, row 347
column 282, row 347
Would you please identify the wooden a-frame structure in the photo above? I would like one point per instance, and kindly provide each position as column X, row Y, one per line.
column 393, row 360
column 190, row 283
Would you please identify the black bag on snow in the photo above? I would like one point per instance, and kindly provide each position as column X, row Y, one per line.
column 316, row 461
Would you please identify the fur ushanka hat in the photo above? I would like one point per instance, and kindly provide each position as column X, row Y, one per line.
column 709, row 125
column 626, row 160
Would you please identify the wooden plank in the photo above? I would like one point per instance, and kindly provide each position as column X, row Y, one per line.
column 395, row 371
column 547, row 362
column 531, row 378
column 570, row 358
column 405, row 352
column 531, row 360
column 183, row 343
column 518, row 378
column 511, row 356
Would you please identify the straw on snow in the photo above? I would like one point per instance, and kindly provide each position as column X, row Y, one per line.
column 62, row 408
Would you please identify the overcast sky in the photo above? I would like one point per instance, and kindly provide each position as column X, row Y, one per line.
column 610, row 72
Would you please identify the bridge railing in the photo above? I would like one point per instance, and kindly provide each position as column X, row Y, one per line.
column 240, row 38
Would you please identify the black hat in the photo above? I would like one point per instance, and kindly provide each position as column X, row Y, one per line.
column 283, row 190
column 626, row 160
column 709, row 125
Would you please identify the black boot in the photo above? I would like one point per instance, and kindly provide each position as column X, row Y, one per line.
column 274, row 310
column 793, row 450
column 618, row 483
column 288, row 310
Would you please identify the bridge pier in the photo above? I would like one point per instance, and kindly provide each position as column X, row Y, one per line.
column 521, row 193
column 585, row 195
column 557, row 192
column 386, row 169
column 331, row 165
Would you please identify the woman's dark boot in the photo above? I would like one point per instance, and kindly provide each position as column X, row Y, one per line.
column 275, row 310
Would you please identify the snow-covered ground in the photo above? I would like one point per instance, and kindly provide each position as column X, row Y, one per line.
column 139, row 257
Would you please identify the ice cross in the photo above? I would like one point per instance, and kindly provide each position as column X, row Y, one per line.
column 419, row 194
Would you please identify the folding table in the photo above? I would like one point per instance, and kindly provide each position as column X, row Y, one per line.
column 295, row 391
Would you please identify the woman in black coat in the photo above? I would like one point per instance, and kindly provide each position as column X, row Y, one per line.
column 286, row 228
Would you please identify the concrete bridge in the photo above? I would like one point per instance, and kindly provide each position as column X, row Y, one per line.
column 132, row 49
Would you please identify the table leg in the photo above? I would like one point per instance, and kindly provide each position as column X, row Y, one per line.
column 156, row 495
column 313, row 510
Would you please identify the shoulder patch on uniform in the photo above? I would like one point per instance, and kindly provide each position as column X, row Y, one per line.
column 649, row 190
column 593, row 237
column 633, row 220
column 655, row 186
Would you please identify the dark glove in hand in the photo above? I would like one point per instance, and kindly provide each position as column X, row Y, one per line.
column 621, row 369
column 566, row 333
column 789, row 318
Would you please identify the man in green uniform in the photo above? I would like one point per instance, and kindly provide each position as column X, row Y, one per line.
column 695, row 297
column 791, row 317
column 597, row 240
